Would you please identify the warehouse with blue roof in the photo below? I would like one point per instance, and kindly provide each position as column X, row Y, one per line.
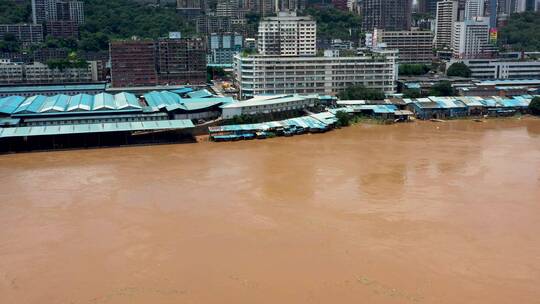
column 124, row 113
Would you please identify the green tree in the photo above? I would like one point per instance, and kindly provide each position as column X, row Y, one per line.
column 522, row 33
column 343, row 119
column 359, row 92
column 412, row 93
column 413, row 69
column 534, row 106
column 15, row 11
column 442, row 88
column 336, row 24
column 9, row 43
column 459, row 69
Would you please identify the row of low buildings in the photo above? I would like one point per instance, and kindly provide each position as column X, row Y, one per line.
column 44, row 122
column 435, row 107
column 39, row 73
column 41, row 121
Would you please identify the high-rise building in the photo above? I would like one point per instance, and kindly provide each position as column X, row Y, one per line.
column 264, row 7
column 133, row 63
column 39, row 11
column 227, row 8
column 76, row 11
column 447, row 14
column 427, row 6
column 62, row 29
column 340, row 5
column 288, row 35
column 474, row 8
column 57, row 10
column 223, row 46
column 181, row 61
column 393, row 15
column 414, row 46
column 61, row 11
column 471, row 38
column 162, row 62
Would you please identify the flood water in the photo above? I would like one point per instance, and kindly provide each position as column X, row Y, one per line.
column 411, row 213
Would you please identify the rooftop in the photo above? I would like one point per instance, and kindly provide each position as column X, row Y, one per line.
column 95, row 128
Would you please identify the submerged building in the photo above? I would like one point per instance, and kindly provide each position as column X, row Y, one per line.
column 62, row 121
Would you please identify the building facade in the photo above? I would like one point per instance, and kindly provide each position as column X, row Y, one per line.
column 393, row 15
column 287, row 35
column 222, row 47
column 39, row 73
column 413, row 46
column 25, row 33
column 64, row 29
column 10, row 72
column 502, row 69
column 181, row 61
column 133, row 63
column 447, row 15
column 473, row 9
column 162, row 62
column 257, row 75
column 471, row 38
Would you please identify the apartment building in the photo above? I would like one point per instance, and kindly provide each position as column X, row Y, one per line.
column 502, row 68
column 223, row 46
column 39, row 73
column 257, row 75
column 414, row 46
column 166, row 61
column 447, row 15
column 287, row 35
column 471, row 38
column 394, row 15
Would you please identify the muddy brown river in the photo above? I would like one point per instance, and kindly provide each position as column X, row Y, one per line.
column 411, row 213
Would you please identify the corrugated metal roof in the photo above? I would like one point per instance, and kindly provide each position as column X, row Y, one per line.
column 200, row 94
column 182, row 90
column 266, row 100
column 321, row 122
column 9, row 104
column 95, row 128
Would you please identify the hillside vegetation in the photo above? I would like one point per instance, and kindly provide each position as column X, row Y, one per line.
column 522, row 32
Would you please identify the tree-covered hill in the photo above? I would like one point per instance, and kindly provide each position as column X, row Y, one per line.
column 522, row 32
column 333, row 23
column 15, row 12
column 108, row 19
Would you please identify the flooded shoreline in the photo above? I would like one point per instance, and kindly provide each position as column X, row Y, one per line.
column 410, row 213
